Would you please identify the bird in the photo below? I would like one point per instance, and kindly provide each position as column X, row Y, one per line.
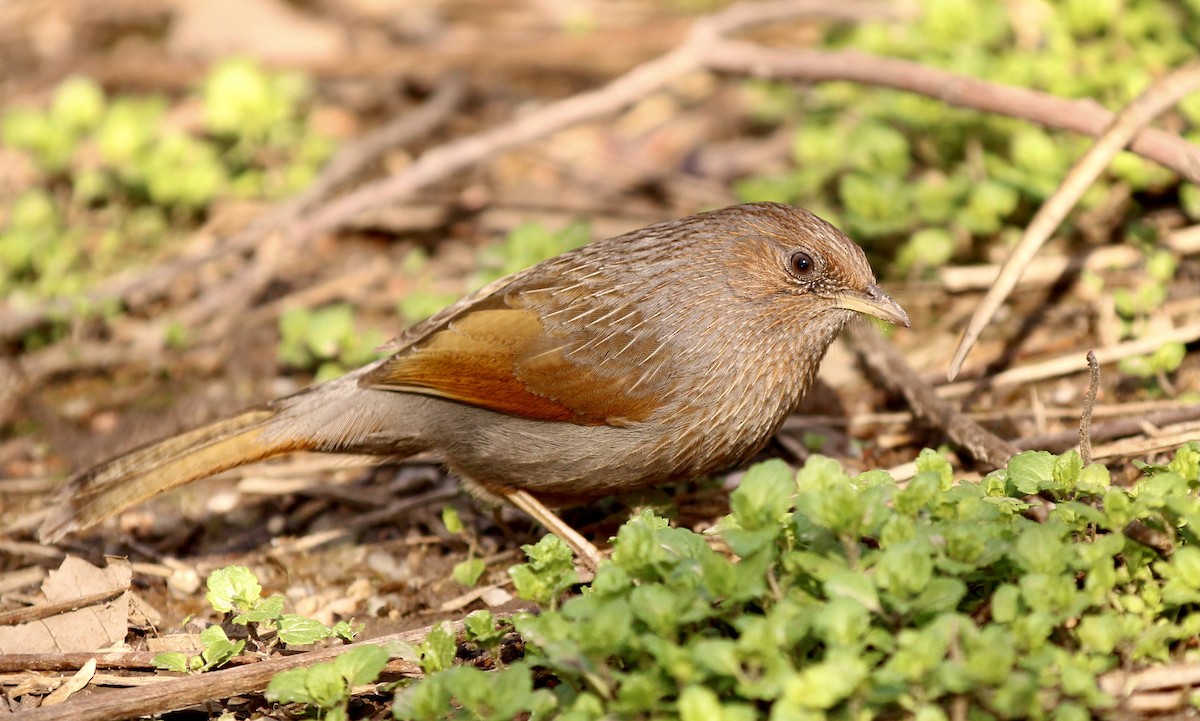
column 669, row 352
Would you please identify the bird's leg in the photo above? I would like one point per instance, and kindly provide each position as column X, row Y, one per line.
column 583, row 548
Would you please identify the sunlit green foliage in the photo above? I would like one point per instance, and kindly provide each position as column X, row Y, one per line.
column 891, row 166
column 120, row 177
column 857, row 598
column 236, row 592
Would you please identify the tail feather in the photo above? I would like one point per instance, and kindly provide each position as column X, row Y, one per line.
column 111, row 487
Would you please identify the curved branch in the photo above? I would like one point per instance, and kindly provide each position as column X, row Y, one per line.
column 695, row 53
column 1086, row 117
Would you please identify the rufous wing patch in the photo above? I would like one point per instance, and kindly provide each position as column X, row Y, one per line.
column 502, row 360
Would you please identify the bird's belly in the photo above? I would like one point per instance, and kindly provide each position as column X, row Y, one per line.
column 567, row 462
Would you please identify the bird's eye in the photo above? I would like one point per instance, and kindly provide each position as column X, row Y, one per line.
column 802, row 263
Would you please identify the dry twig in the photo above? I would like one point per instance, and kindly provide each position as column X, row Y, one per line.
column 1089, row 403
column 1086, row 117
column 1158, row 98
column 1070, row 363
column 694, row 54
column 887, row 362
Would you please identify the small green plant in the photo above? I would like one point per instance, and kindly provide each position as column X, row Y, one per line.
column 469, row 571
column 327, row 687
column 852, row 596
column 326, row 340
column 1138, row 305
column 1156, row 367
column 117, row 149
column 549, row 572
column 119, row 179
column 216, row 651
column 885, row 165
column 1134, row 305
column 236, row 592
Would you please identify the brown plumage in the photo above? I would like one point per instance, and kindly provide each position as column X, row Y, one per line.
column 672, row 351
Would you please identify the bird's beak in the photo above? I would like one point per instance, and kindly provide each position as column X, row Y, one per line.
column 874, row 302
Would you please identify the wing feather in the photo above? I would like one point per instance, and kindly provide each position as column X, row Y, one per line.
column 535, row 354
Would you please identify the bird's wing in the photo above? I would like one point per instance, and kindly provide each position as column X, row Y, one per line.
column 536, row 352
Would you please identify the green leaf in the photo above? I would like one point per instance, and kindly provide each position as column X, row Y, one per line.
column 1006, row 603
column 1100, row 634
column 825, row 684
column 925, row 248
column 611, row 580
column 289, row 687
column 658, row 607
column 877, row 148
column 843, row 622
column 748, row 543
column 919, row 494
column 1118, row 507
column 325, row 685
column 296, row 630
column 218, row 649
column 905, row 569
column 1187, row 461
column 893, row 615
column 550, row 571
column 1183, row 576
column 171, row 661
column 347, row 629
column 1094, row 478
column 990, row 655
column 855, row 586
column 233, row 587
column 828, row 498
column 1067, row 469
column 697, row 703
column 78, row 103
column 267, row 610
column 764, row 495
column 328, row 329
column 941, row 595
column 1041, row 548
column 361, row 665
column 642, row 692
column 931, row 461
column 920, row 651
column 451, row 520
column 467, row 572
column 438, row 650
column 428, row 700
column 1027, row 471
column 481, row 627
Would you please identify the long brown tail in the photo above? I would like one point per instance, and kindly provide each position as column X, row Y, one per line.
column 111, row 487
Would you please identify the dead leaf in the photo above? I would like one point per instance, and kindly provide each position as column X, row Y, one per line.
column 81, row 679
column 84, row 629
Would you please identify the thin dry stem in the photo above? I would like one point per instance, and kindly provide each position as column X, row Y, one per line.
column 1089, row 403
column 883, row 358
column 1158, row 98
column 1086, row 117
column 1069, row 363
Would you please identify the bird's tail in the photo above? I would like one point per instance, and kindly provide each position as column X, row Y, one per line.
column 108, row 489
